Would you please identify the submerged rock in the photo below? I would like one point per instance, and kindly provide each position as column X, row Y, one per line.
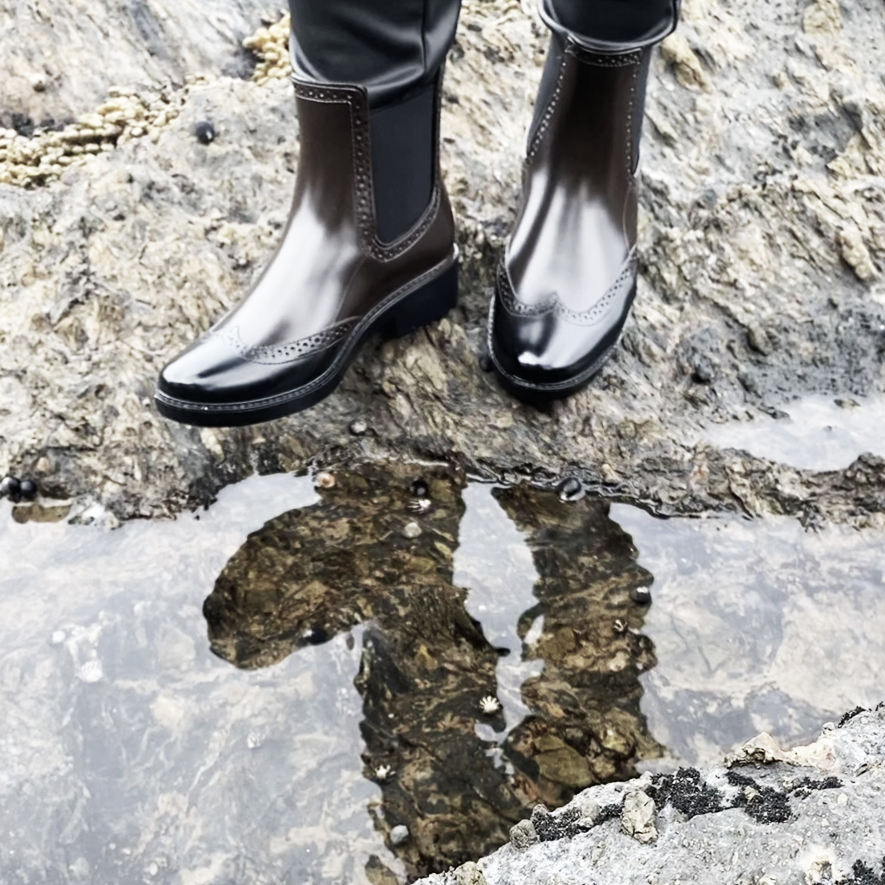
column 122, row 238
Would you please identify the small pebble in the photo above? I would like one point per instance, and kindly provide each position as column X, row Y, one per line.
column 420, row 505
column 11, row 488
column 316, row 636
column 641, row 595
column 523, row 835
column 359, row 428
column 399, row 834
column 619, row 626
column 571, row 489
column 205, row 132
column 485, row 361
column 420, row 489
column 324, row 480
column 411, row 530
column 703, row 372
column 28, row 489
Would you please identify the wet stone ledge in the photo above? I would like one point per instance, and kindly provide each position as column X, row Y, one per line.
column 761, row 238
column 813, row 815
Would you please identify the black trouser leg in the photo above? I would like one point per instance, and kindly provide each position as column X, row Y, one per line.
column 391, row 47
column 394, row 46
column 611, row 25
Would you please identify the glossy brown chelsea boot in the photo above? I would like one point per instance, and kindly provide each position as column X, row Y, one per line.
column 369, row 248
column 568, row 278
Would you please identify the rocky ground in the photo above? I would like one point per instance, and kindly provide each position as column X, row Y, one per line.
column 810, row 815
column 158, row 189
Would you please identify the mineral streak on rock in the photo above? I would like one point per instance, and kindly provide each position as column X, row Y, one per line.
column 763, row 241
column 425, row 661
column 747, row 831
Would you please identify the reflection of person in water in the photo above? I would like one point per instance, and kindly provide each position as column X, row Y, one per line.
column 426, row 664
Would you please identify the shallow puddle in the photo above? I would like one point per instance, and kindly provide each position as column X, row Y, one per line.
column 369, row 682
column 811, row 433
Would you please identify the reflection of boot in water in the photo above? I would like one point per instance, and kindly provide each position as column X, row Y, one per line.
column 586, row 725
column 312, row 573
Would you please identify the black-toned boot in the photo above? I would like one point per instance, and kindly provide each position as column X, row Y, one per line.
column 568, row 278
column 369, row 248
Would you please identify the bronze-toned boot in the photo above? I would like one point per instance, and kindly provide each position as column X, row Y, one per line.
column 359, row 256
column 568, row 277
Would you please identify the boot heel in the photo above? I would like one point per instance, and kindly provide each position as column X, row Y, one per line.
column 425, row 305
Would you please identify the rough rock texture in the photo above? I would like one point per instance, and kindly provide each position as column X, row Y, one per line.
column 763, row 238
column 455, row 776
column 49, row 49
column 809, row 817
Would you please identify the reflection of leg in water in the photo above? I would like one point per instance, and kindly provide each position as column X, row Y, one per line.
column 426, row 665
column 586, row 725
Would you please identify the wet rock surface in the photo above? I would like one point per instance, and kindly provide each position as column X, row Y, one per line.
column 815, row 819
column 762, row 251
column 455, row 770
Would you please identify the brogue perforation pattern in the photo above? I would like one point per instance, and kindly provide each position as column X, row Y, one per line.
column 552, row 303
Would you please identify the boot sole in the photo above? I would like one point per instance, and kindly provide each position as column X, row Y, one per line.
column 538, row 393
column 421, row 302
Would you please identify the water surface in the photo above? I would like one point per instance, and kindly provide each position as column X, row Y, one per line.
column 812, row 433
column 269, row 691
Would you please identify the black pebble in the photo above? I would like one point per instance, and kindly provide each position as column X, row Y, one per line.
column 703, row 372
column 205, row 132
column 28, row 489
column 11, row 487
column 485, row 361
column 420, row 489
column 571, row 489
column 641, row 595
column 316, row 636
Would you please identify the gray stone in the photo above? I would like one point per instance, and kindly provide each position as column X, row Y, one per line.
column 523, row 835
column 833, row 828
column 469, row 874
column 638, row 817
column 49, row 49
